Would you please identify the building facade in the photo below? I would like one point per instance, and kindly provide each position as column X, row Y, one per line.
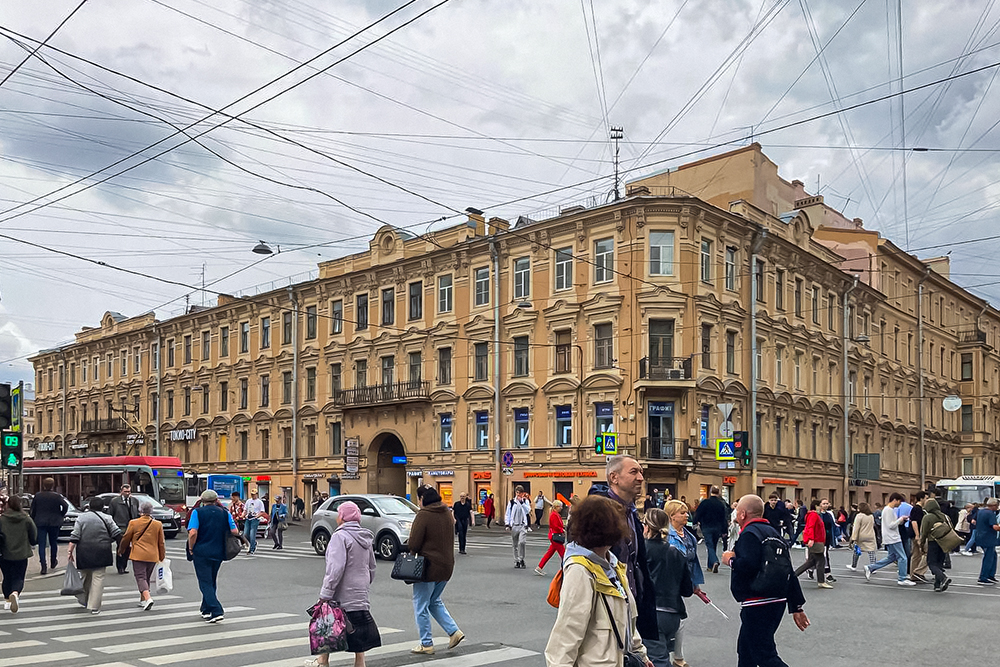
column 488, row 355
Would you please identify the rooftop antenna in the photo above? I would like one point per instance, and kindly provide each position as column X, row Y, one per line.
column 617, row 134
column 203, row 284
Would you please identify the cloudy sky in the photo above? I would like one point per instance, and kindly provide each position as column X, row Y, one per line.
column 122, row 188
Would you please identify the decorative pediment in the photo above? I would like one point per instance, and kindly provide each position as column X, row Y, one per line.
column 519, row 388
column 307, row 411
column 220, row 421
column 443, row 396
column 478, row 392
column 282, row 413
column 261, row 415
column 559, row 385
column 202, row 423
column 710, row 383
column 735, row 387
column 602, row 381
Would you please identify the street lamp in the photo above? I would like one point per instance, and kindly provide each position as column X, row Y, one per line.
column 262, row 249
column 846, row 406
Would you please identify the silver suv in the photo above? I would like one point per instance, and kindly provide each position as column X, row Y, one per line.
column 388, row 517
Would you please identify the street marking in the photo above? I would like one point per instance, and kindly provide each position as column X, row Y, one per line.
column 32, row 602
column 348, row 660
column 301, row 627
column 76, row 605
column 138, row 617
column 7, row 646
column 179, row 554
column 217, row 651
column 31, row 594
column 74, row 615
column 41, row 658
column 161, row 628
column 475, row 659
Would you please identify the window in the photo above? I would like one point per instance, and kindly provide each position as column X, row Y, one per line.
column 135, row 363
column 604, row 260
column 758, row 362
column 187, row 401
column 604, row 417
column 815, row 441
column 361, row 373
column 124, row 360
column 831, row 312
column 481, row 372
column 966, row 419
column 206, row 345
column 265, row 333
column 286, row 328
column 798, row 369
column 205, row 396
column 336, row 379
column 361, row 312
column 779, row 365
column 224, row 342
column 286, row 438
column 110, row 363
column 661, row 253
column 265, row 391
column 482, row 430
column 170, row 407
column 852, row 383
column 72, row 375
column 310, row 440
column 244, row 337
column 522, row 278
column 564, row 363
column 706, row 345
column 564, row 425
column 967, row 466
column 310, row 322
column 444, row 365
column 706, row 261
column 798, row 437
column 310, row 384
column 336, row 439
column 244, row 393
column 564, row 268
column 758, row 277
column 265, row 444
column 83, row 370
column 187, row 353
column 337, row 317
column 604, row 349
column 521, row 428
column 444, row 294
column 779, row 423
column 416, row 300
column 731, row 268
column 154, row 407
column 483, row 286
column 779, row 289
column 223, row 396
column 244, row 446
column 798, row 297
column 446, row 435
column 966, row 366
column 388, row 306
column 388, row 370
column 520, row 356
column 154, row 360
column 730, row 351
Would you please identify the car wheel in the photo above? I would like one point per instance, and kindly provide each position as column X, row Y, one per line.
column 171, row 536
column 387, row 547
column 321, row 539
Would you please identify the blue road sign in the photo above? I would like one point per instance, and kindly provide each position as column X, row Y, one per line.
column 725, row 450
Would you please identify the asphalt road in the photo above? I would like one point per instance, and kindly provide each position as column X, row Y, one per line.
column 501, row 610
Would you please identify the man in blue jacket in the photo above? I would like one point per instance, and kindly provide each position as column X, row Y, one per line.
column 207, row 530
column 760, row 616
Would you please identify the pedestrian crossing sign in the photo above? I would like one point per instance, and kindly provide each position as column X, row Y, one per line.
column 725, row 450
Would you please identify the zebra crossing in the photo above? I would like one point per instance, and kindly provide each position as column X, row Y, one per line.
column 54, row 629
column 176, row 551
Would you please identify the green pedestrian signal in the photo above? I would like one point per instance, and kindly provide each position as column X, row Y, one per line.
column 11, row 454
column 599, row 443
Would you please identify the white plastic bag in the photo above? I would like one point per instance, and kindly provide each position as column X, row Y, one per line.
column 164, row 578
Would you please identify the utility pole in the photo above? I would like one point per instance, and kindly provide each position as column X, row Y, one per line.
column 922, row 445
column 617, row 134
column 758, row 243
column 497, row 489
column 847, row 423
column 295, row 390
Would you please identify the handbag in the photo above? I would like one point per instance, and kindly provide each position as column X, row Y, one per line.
column 164, row 577
column 234, row 545
column 945, row 536
column 559, row 538
column 408, row 567
column 629, row 659
column 328, row 628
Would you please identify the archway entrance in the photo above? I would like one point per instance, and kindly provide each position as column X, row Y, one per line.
column 384, row 476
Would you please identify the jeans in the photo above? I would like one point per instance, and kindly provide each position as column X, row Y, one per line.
column 712, row 536
column 755, row 645
column 462, row 528
column 989, row 567
column 896, row 555
column 250, row 532
column 277, row 535
column 13, row 575
column 50, row 534
column 207, row 572
column 971, row 545
column 538, row 517
column 518, row 536
column 427, row 603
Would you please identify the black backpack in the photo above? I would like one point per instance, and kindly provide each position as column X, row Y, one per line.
column 776, row 564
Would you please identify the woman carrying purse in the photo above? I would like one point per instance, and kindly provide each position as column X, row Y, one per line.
column 557, row 538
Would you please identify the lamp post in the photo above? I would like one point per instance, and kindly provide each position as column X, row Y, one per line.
column 846, row 335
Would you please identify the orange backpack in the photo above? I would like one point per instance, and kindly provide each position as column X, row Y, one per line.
column 555, row 589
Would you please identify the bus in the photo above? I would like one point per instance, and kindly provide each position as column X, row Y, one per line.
column 968, row 489
column 160, row 477
column 222, row 484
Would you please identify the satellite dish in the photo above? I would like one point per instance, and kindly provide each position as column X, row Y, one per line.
column 951, row 403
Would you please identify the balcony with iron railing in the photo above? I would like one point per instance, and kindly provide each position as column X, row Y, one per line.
column 381, row 394
column 665, row 369
column 972, row 337
column 662, row 449
column 97, row 426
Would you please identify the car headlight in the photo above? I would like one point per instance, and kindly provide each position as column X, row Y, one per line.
column 405, row 525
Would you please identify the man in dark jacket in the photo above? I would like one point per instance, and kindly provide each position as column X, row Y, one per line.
column 713, row 516
column 123, row 508
column 207, row 529
column 463, row 517
column 800, row 523
column 624, row 476
column 759, row 616
column 776, row 514
column 48, row 509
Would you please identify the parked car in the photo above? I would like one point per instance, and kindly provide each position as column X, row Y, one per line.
column 388, row 517
column 171, row 519
column 69, row 521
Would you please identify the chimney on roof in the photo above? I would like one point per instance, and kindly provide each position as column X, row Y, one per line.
column 477, row 220
column 498, row 225
column 858, row 223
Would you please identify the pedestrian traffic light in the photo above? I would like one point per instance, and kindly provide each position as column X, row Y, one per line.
column 5, row 407
column 742, row 449
column 11, row 454
column 599, row 443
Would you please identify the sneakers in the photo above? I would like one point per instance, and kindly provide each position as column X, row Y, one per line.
column 852, row 568
column 540, row 572
column 810, row 573
column 147, row 604
column 45, row 570
column 905, row 582
column 420, row 649
column 95, row 612
column 205, row 615
column 986, row 583
column 715, row 568
column 943, row 587
column 13, row 603
column 824, row 585
column 215, row 619
column 868, row 573
column 919, row 579
column 830, row 577
column 529, row 529
column 6, row 605
column 456, row 639
column 313, row 662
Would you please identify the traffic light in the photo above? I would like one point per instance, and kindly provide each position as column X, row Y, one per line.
column 599, row 443
column 742, row 449
column 11, row 454
column 5, row 407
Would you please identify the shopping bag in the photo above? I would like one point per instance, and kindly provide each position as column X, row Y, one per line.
column 328, row 628
column 164, row 577
column 72, row 581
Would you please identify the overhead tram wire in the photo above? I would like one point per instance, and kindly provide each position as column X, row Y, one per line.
column 42, row 43
column 221, row 112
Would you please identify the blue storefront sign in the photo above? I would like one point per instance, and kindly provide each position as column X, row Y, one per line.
column 564, row 412
column 520, row 414
column 483, row 417
column 661, row 408
column 604, row 409
column 399, row 460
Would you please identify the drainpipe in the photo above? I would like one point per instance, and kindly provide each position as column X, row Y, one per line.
column 295, row 391
column 758, row 243
column 922, row 446
column 847, row 423
column 159, row 392
column 495, row 254
column 65, row 415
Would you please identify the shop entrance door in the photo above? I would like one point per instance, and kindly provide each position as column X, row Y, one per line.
column 445, row 490
column 661, row 430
